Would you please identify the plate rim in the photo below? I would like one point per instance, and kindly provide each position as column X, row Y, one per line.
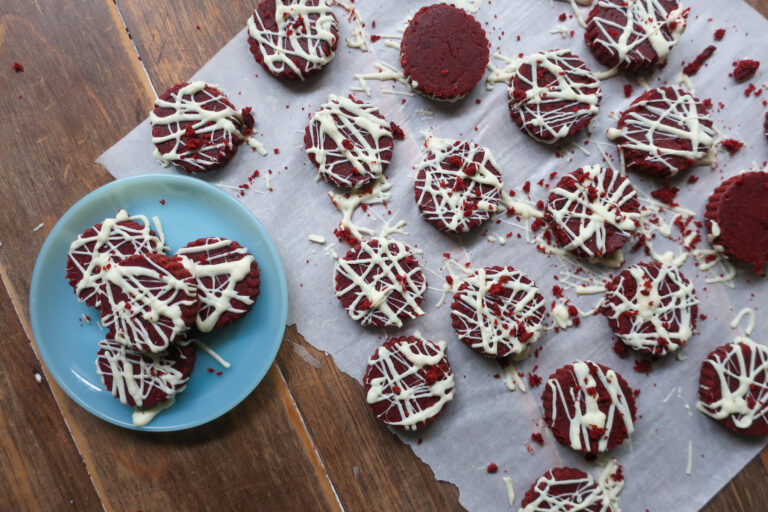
column 96, row 195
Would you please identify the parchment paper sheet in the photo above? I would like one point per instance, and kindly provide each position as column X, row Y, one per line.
column 487, row 423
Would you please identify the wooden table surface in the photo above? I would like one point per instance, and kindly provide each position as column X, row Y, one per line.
column 305, row 439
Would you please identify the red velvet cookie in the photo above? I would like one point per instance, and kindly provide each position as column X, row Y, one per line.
column 379, row 282
column 589, row 407
column 139, row 379
column 458, row 185
column 293, row 38
column 227, row 279
column 664, row 131
column 196, row 127
column 149, row 302
column 108, row 242
column 408, row 382
column 635, row 35
column 733, row 387
column 572, row 489
column 737, row 218
column 592, row 211
column 444, row 52
column 498, row 312
column 651, row 307
column 349, row 142
column 553, row 95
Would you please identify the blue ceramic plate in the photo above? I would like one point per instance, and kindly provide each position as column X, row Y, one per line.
column 192, row 209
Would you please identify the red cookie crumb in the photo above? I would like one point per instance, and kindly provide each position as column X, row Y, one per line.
column 492, row 468
column 731, row 145
column 17, row 67
column 744, row 69
column 719, row 34
column 666, row 195
column 694, row 66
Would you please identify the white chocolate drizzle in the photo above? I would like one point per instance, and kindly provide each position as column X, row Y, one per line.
column 347, row 204
column 142, row 417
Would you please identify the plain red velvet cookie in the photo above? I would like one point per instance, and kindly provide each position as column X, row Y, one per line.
column 227, row 279
column 408, row 382
column 589, row 407
column 293, row 38
column 149, row 301
column 737, row 218
column 733, row 387
column 651, row 307
column 444, row 52
column 553, row 95
column 592, row 212
column 139, row 379
column 108, row 242
column 665, row 131
column 561, row 489
column 196, row 127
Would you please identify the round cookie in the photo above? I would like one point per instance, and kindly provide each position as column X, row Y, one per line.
column 379, row 282
column 665, row 131
column 592, row 212
column 651, row 308
column 572, row 489
column 444, row 52
column 589, row 407
column 196, row 127
column 227, row 280
column 142, row 380
column 149, row 302
column 737, row 218
column 349, row 142
column 553, row 95
column 498, row 312
column 105, row 243
column 733, row 387
column 636, row 35
column 458, row 185
column 408, row 382
column 293, row 38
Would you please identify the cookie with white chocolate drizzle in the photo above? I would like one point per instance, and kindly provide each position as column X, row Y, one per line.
column 293, row 38
column 408, row 382
column 227, row 278
column 561, row 489
column 553, row 95
column 498, row 312
column 589, row 407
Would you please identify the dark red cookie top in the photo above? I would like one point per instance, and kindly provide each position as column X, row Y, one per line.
column 139, row 379
column 196, row 127
column 553, row 95
column 737, row 218
column 293, row 38
column 444, row 52
column 592, row 211
column 589, row 407
column 227, row 278
column 149, row 302
column 634, row 35
column 105, row 243
column 458, row 185
column 498, row 311
column 733, row 387
column 408, row 382
column 664, row 131
column 380, row 282
column 572, row 489
column 349, row 142
column 651, row 307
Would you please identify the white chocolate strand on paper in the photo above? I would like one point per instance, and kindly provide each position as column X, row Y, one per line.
column 219, row 130
column 339, row 136
column 498, row 311
column 659, row 306
column 381, row 281
column 405, row 375
column 217, row 273
column 112, row 242
column 303, row 28
column 673, row 116
column 457, row 184
column 561, row 95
